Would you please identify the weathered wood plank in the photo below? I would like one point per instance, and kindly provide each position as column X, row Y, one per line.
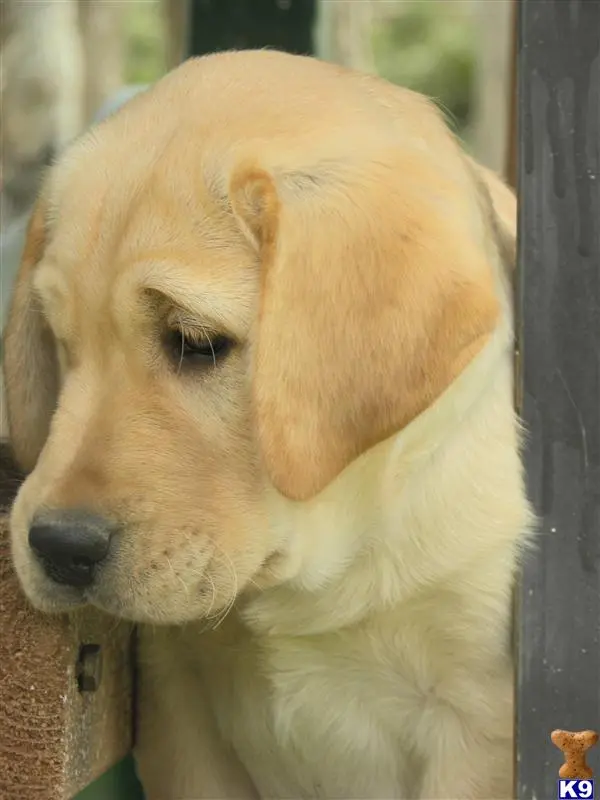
column 558, row 664
column 54, row 737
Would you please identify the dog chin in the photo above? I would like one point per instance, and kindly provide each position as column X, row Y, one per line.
column 119, row 602
column 55, row 600
column 138, row 610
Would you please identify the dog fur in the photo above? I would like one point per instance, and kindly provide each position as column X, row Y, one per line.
column 318, row 533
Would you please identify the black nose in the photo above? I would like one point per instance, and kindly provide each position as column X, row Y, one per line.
column 70, row 544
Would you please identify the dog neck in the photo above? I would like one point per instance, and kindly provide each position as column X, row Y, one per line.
column 397, row 520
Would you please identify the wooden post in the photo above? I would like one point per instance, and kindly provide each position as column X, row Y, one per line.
column 345, row 32
column 176, row 17
column 226, row 24
column 558, row 618
column 65, row 687
column 511, row 138
column 493, row 28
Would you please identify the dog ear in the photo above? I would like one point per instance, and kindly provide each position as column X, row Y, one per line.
column 29, row 357
column 375, row 295
column 501, row 203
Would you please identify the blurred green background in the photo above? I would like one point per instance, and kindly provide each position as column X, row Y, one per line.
column 430, row 47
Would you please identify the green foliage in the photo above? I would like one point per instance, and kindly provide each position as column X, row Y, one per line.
column 429, row 47
column 144, row 42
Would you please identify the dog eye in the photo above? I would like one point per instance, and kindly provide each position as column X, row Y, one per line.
column 196, row 348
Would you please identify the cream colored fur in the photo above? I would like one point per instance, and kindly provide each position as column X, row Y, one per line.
column 319, row 534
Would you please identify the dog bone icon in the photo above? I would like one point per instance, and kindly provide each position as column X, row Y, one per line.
column 574, row 747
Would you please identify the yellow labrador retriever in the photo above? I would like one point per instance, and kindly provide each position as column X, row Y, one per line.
column 259, row 364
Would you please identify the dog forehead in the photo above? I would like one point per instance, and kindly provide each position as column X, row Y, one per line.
column 143, row 181
column 110, row 204
column 139, row 232
column 285, row 112
column 273, row 106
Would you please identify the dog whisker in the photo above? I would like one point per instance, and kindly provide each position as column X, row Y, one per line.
column 226, row 559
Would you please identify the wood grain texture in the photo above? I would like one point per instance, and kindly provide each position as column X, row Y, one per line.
column 54, row 738
column 558, row 678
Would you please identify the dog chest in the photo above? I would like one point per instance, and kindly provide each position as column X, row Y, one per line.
column 354, row 713
column 317, row 716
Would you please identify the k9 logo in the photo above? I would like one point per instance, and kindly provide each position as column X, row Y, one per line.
column 575, row 789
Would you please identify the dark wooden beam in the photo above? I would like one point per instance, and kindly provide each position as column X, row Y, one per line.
column 558, row 619
column 240, row 24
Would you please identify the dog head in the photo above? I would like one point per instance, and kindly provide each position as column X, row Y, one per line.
column 232, row 290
